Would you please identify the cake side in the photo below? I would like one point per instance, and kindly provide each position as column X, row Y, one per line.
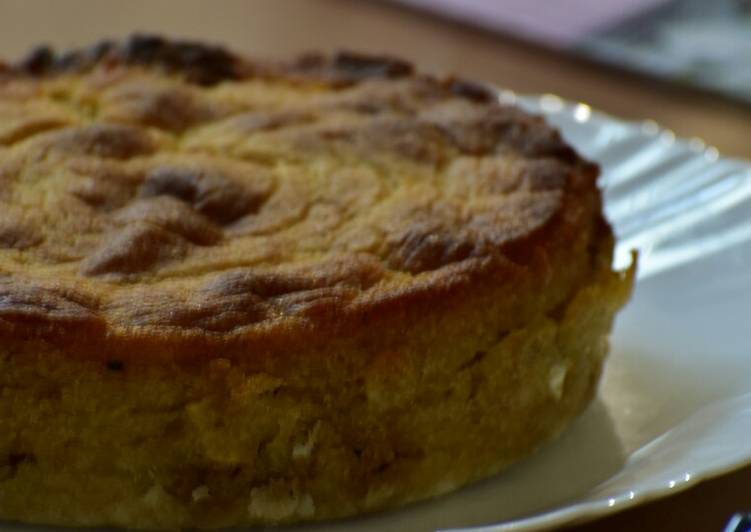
column 223, row 443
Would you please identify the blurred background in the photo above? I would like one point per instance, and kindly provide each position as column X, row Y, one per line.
column 685, row 64
column 697, row 43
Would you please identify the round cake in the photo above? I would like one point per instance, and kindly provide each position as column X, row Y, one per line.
column 243, row 292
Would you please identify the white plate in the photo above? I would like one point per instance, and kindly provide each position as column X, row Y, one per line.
column 675, row 402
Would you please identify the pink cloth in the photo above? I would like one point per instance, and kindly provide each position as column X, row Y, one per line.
column 559, row 23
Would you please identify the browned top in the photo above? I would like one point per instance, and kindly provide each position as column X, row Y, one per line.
column 152, row 187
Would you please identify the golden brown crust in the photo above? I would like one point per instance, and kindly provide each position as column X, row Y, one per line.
column 308, row 197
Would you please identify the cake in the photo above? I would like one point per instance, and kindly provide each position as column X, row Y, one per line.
column 238, row 292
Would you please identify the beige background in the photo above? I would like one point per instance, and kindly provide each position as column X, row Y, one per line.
column 279, row 28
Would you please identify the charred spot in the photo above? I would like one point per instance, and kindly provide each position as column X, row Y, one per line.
column 16, row 234
column 45, row 60
column 354, row 273
column 202, row 64
column 199, row 63
column 101, row 193
column 494, row 128
column 144, row 48
column 210, row 192
column 135, row 248
column 170, row 108
column 16, row 459
column 9, row 465
column 115, row 365
column 85, row 58
column 420, row 249
column 176, row 182
column 360, row 66
column 345, row 68
column 38, row 61
column 470, row 90
column 109, row 141
column 174, row 216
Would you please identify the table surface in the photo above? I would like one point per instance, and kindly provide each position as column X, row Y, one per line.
column 281, row 28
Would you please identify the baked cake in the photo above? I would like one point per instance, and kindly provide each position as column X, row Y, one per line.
column 242, row 292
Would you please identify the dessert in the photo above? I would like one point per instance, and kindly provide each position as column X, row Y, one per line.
column 241, row 292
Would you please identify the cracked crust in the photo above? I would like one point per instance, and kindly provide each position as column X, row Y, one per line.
column 124, row 171
column 168, row 208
